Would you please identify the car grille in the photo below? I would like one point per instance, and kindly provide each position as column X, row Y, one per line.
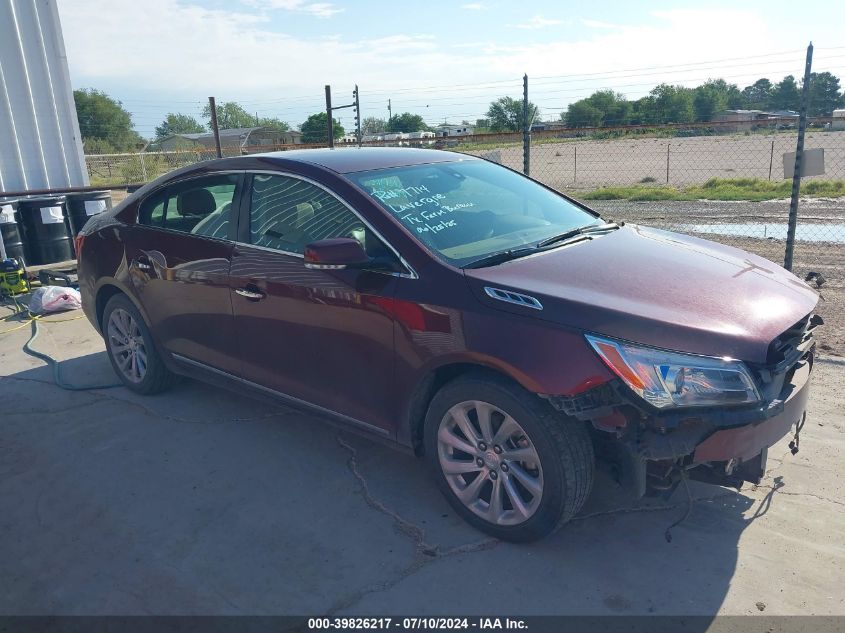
column 794, row 343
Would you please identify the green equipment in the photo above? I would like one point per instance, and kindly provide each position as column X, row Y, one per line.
column 13, row 277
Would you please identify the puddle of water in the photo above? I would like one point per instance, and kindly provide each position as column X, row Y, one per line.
column 804, row 232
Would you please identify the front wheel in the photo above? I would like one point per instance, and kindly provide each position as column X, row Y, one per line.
column 506, row 461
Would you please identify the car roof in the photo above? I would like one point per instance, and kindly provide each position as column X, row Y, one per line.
column 347, row 160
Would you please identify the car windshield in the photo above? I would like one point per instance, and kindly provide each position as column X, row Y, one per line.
column 467, row 210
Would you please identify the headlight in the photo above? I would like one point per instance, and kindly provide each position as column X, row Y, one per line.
column 669, row 379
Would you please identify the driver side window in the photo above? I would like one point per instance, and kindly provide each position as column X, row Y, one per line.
column 286, row 214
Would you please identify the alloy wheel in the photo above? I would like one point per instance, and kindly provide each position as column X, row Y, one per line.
column 490, row 463
column 126, row 345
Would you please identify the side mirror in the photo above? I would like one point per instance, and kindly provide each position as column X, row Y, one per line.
column 336, row 254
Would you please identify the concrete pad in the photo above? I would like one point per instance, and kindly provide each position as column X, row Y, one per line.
column 200, row 501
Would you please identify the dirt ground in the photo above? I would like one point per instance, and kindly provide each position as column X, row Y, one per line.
column 827, row 258
column 694, row 160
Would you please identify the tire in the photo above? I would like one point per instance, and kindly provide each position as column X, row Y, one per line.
column 563, row 470
column 126, row 334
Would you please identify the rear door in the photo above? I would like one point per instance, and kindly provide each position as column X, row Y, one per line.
column 179, row 253
column 320, row 336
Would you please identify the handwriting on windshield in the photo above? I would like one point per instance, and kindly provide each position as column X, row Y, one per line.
column 421, row 209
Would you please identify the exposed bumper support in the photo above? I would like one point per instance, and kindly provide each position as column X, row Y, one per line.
column 728, row 444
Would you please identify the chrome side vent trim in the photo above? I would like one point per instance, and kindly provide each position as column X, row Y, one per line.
column 516, row 298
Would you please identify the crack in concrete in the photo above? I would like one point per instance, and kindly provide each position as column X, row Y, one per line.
column 647, row 508
column 425, row 553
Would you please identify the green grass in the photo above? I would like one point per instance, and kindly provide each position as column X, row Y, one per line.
column 754, row 189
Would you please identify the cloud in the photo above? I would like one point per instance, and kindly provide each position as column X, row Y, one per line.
column 318, row 9
column 474, row 6
column 125, row 48
column 538, row 22
column 598, row 24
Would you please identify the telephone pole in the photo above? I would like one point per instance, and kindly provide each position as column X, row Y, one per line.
column 330, row 108
column 389, row 111
column 357, row 106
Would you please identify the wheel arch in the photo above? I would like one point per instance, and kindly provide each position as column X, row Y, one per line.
column 108, row 289
column 411, row 432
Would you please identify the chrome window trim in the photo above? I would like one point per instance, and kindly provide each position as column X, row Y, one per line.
column 282, row 395
column 411, row 274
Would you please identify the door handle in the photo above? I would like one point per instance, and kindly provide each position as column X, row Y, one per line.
column 252, row 295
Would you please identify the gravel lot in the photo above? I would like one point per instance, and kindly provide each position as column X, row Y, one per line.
column 200, row 501
column 827, row 258
column 692, row 160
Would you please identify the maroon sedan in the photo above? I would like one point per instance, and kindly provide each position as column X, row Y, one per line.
column 461, row 310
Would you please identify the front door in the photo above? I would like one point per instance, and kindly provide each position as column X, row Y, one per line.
column 179, row 253
column 323, row 337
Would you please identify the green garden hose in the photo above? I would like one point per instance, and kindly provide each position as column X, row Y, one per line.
column 46, row 358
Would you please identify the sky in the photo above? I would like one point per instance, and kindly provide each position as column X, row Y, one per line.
column 443, row 60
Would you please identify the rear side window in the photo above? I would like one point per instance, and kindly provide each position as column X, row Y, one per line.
column 202, row 206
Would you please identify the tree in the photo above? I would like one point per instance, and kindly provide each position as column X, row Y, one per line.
column 758, row 95
column 604, row 107
column 272, row 123
column 103, row 122
column 673, row 104
column 406, row 122
column 505, row 114
column 825, row 95
column 713, row 96
column 314, row 128
column 582, row 114
column 178, row 124
column 644, row 111
column 707, row 100
column 373, row 125
column 230, row 115
column 785, row 95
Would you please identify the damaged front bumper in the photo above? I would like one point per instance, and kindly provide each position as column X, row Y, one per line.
column 725, row 446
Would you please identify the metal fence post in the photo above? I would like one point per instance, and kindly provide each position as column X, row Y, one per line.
column 799, row 151
column 213, row 107
column 575, row 169
column 667, row 163
column 771, row 159
column 526, row 129
column 329, row 116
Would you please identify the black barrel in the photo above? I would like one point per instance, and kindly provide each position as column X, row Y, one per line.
column 10, row 231
column 82, row 206
column 46, row 231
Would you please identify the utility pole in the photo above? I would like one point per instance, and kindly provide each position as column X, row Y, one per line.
column 526, row 129
column 213, row 107
column 330, row 108
column 357, row 106
column 799, row 152
column 329, row 120
column 389, row 111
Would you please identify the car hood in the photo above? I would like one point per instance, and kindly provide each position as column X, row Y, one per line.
column 658, row 288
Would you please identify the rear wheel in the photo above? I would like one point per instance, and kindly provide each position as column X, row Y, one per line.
column 506, row 461
column 131, row 350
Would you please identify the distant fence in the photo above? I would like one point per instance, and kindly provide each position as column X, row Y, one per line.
column 644, row 164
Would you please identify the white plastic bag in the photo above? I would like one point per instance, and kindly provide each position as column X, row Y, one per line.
column 48, row 299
